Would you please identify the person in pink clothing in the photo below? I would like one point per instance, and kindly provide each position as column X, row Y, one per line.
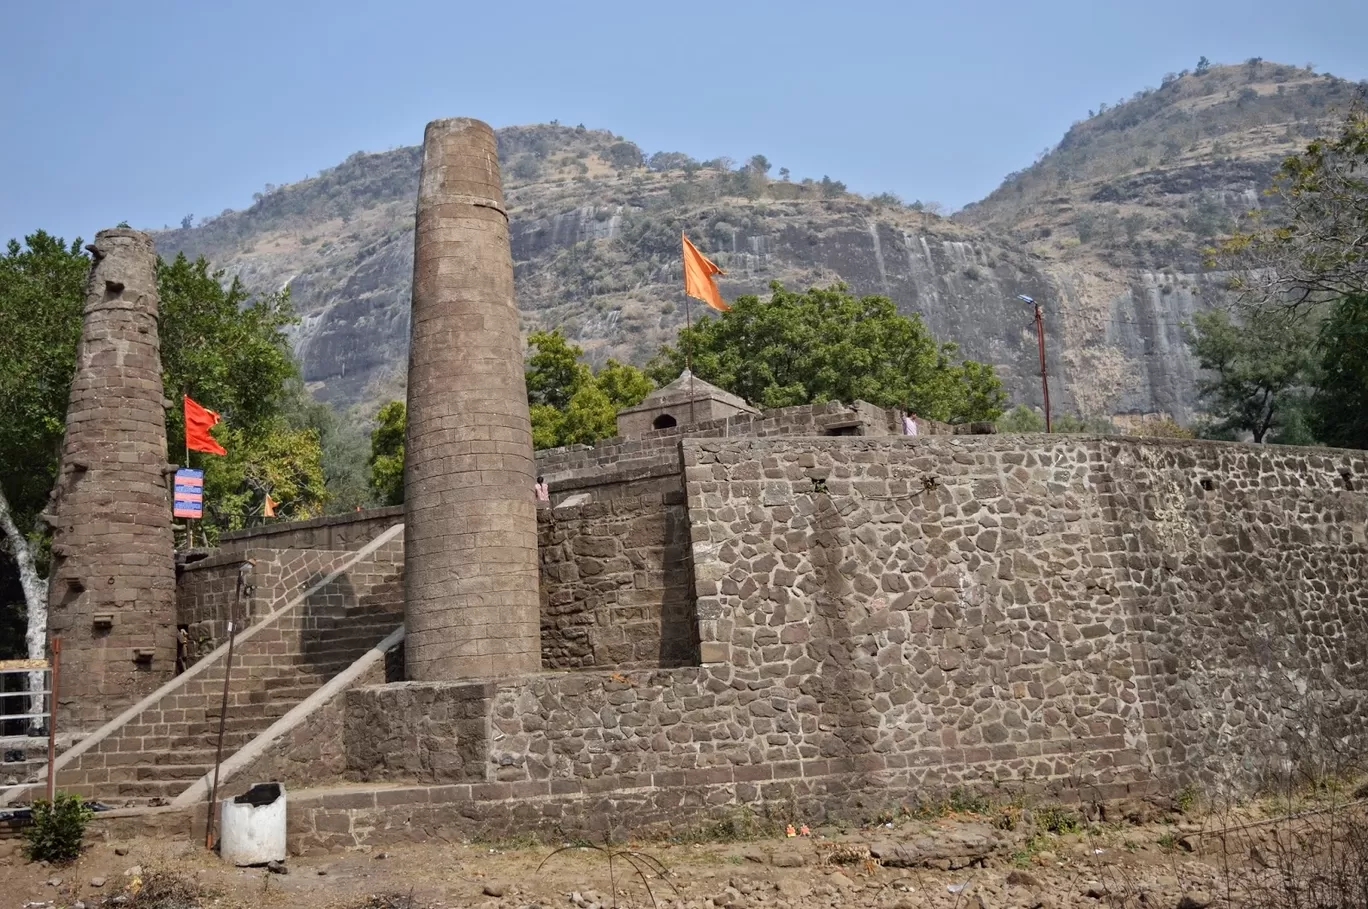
column 909, row 423
column 543, row 491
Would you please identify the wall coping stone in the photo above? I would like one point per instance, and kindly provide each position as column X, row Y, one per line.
column 327, row 520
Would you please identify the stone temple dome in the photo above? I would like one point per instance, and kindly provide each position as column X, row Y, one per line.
column 684, row 401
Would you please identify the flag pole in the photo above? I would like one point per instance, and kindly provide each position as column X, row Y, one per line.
column 688, row 352
column 189, row 526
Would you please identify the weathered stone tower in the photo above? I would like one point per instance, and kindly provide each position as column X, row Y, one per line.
column 470, row 540
column 112, row 583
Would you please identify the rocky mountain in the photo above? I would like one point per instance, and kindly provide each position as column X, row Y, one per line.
column 1105, row 230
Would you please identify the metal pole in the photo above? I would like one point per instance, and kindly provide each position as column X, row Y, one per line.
column 56, row 673
column 688, row 353
column 189, row 522
column 218, row 756
column 1044, row 382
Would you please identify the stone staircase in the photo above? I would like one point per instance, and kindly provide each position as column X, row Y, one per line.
column 329, row 608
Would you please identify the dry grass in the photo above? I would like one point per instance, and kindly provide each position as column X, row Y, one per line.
column 168, row 890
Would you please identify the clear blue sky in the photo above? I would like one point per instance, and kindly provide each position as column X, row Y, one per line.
column 146, row 111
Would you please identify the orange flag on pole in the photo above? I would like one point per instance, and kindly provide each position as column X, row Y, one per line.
column 269, row 510
column 197, row 422
column 698, row 280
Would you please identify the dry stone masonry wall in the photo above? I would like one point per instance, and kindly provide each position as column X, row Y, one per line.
column 1043, row 608
column 617, row 585
column 878, row 617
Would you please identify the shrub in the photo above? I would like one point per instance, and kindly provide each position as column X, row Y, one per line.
column 57, row 829
column 1058, row 819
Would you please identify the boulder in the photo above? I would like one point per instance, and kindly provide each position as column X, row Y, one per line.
column 948, row 849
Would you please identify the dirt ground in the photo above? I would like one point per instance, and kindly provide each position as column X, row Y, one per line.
column 967, row 861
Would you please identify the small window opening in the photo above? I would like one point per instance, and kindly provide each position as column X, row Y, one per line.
column 1207, row 484
column 842, row 431
column 1348, row 479
column 664, row 421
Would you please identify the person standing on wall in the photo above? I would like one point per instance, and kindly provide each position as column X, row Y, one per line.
column 543, row 492
column 909, row 423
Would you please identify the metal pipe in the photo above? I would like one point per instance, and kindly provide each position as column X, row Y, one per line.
column 52, row 718
column 218, row 755
column 1040, row 340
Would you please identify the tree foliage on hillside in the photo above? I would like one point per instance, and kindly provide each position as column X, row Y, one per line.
column 1258, row 370
column 1318, row 248
column 827, row 344
column 387, row 454
column 1309, row 266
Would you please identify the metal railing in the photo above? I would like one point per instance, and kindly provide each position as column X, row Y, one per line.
column 50, row 670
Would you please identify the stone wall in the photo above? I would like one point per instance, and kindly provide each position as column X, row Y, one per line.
column 207, row 589
column 1092, row 617
column 617, row 584
column 430, row 732
column 622, row 467
column 1102, row 610
column 879, row 617
column 335, row 531
column 1245, row 571
column 284, row 655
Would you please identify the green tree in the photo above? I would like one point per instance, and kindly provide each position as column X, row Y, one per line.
column 345, row 446
column 225, row 347
column 1313, row 255
column 1083, row 425
column 1316, row 247
column 41, row 288
column 1259, row 369
column 828, row 345
column 1339, row 407
column 569, row 403
column 1021, row 419
column 387, row 454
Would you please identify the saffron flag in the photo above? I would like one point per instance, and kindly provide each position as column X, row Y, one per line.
column 698, row 280
column 197, row 422
column 268, row 511
column 188, row 495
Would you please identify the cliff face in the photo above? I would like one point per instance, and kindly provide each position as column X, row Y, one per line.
column 1106, row 231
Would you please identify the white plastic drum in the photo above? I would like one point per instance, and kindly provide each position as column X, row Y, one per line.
column 252, row 826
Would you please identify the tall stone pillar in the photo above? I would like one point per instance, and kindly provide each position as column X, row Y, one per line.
column 112, row 584
column 470, row 539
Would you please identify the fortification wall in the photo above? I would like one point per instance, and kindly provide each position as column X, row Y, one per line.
column 621, row 466
column 617, row 584
column 348, row 531
column 1049, row 608
column 1095, row 617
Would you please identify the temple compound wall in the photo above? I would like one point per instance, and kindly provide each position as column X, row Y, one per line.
column 879, row 617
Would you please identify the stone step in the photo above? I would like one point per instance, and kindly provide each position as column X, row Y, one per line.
column 270, row 711
column 185, row 756
column 234, row 724
column 144, row 789
column 167, row 772
column 232, row 741
column 290, row 695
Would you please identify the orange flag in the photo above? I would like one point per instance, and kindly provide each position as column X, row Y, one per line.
column 197, row 422
column 698, row 280
column 269, row 510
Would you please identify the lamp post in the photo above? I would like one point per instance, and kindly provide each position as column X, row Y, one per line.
column 1040, row 338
